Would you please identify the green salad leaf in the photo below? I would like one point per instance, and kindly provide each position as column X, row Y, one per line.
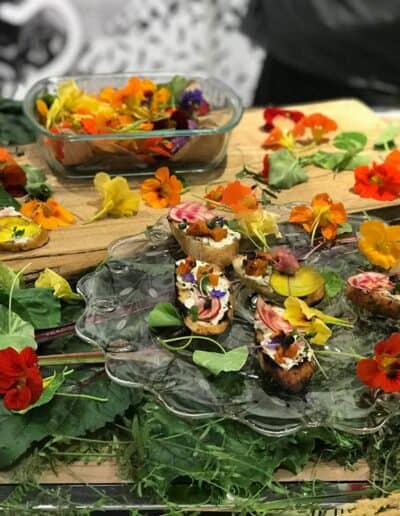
column 36, row 183
column 164, row 315
column 333, row 282
column 15, row 332
column 216, row 363
column 8, row 277
column 37, row 306
column 387, row 138
column 350, row 141
column 285, row 170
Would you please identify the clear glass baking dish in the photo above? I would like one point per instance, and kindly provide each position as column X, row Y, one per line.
column 82, row 155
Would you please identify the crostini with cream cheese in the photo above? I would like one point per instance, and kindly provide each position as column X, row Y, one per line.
column 204, row 295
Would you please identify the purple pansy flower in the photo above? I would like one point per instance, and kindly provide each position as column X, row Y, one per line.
column 192, row 98
column 217, row 293
column 188, row 276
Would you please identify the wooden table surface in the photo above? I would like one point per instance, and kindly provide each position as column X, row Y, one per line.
column 72, row 250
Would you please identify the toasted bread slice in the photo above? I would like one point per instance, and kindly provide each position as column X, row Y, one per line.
column 261, row 285
column 214, row 305
column 19, row 233
column 283, row 357
column 375, row 296
column 293, row 380
column 201, row 248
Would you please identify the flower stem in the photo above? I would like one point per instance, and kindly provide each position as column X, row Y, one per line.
column 84, row 396
column 339, row 353
column 199, row 337
column 91, row 357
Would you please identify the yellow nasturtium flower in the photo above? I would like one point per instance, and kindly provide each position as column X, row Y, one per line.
column 300, row 315
column 118, row 200
column 380, row 243
column 62, row 289
column 258, row 224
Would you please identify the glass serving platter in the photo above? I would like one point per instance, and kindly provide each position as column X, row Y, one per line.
column 140, row 273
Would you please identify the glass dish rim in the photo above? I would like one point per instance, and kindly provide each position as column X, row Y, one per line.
column 237, row 105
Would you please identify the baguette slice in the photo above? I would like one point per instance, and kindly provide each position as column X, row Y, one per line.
column 262, row 285
column 201, row 249
column 214, row 314
column 373, row 292
column 270, row 324
column 19, row 233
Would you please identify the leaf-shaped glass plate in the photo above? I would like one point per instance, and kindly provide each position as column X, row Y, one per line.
column 123, row 290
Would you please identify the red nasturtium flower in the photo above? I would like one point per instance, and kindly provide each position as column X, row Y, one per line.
column 12, row 176
column 265, row 170
column 382, row 371
column 20, row 380
column 317, row 123
column 270, row 113
column 379, row 181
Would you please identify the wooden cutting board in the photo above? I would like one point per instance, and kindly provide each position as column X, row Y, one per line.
column 76, row 248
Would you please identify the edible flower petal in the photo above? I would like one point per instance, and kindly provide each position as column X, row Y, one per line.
column 163, row 190
column 382, row 371
column 239, row 197
column 20, row 380
column 256, row 225
column 379, row 181
column 49, row 214
column 380, row 243
column 62, row 289
column 317, row 123
column 324, row 214
column 271, row 113
column 118, row 199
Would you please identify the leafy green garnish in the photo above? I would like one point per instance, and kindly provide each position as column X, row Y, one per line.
column 285, row 170
column 15, row 127
column 36, row 183
column 8, row 277
column 37, row 306
column 177, row 85
column 7, row 200
column 346, row 227
column 216, row 363
column 333, row 282
column 204, row 283
column 15, row 332
column 194, row 313
column 387, row 138
column 164, row 315
column 17, row 233
column 352, row 142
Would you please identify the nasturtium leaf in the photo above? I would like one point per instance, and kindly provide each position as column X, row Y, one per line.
column 350, row 141
column 7, row 200
column 164, row 315
column 285, row 170
column 387, row 137
column 333, row 282
column 36, row 183
column 217, row 363
column 8, row 277
column 15, row 332
column 336, row 161
column 37, row 306
column 346, row 227
column 62, row 289
column 51, row 386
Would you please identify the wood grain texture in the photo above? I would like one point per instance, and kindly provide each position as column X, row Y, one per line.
column 76, row 248
column 107, row 472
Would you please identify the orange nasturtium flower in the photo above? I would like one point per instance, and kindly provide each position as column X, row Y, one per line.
column 323, row 214
column 162, row 190
column 278, row 139
column 318, row 124
column 380, row 243
column 239, row 197
column 49, row 214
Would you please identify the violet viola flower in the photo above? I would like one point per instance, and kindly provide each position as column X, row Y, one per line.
column 188, row 276
column 191, row 98
column 217, row 293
